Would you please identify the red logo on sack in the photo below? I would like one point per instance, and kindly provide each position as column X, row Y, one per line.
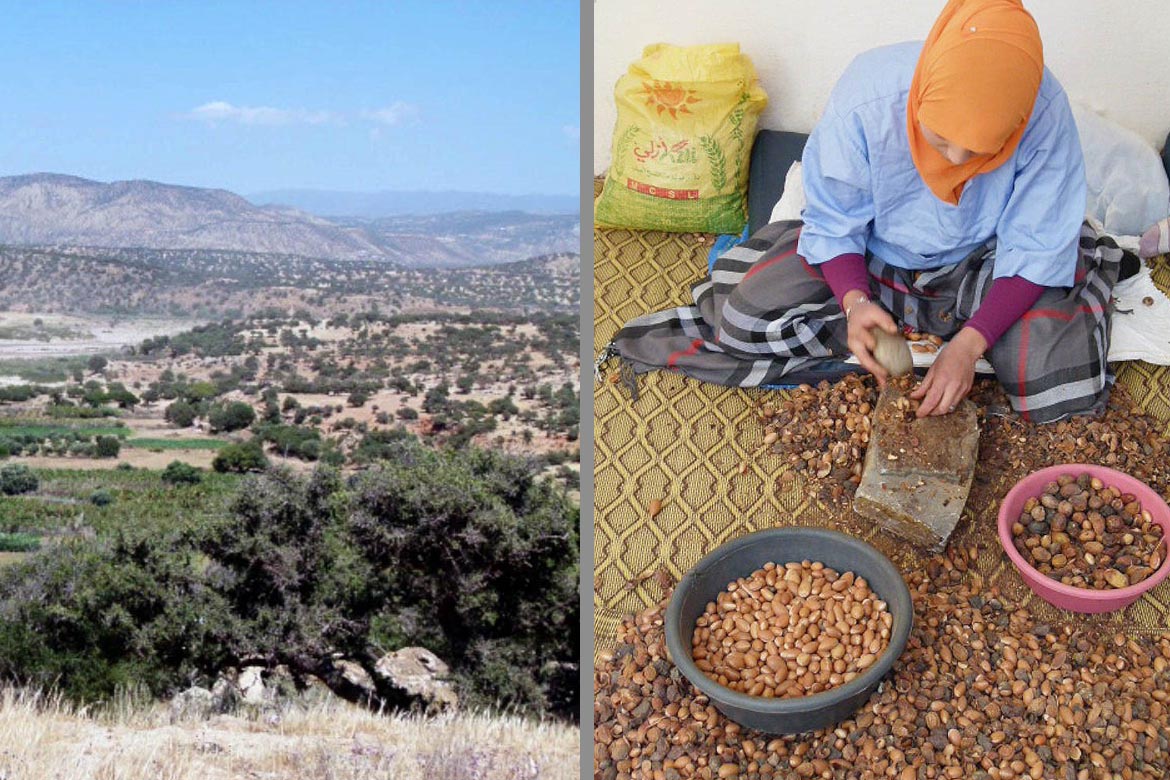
column 669, row 96
column 661, row 192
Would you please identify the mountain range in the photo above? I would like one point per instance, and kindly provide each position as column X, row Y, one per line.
column 48, row 209
column 471, row 238
column 375, row 205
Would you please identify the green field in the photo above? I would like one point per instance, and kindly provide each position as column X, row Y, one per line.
column 141, row 500
column 176, row 444
column 49, row 430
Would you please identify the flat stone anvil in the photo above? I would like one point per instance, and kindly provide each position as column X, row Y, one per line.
column 917, row 473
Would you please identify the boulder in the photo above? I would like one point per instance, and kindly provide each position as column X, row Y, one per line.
column 251, row 686
column 224, row 694
column 352, row 681
column 415, row 678
column 195, row 703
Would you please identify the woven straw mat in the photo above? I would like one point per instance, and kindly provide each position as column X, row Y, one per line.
column 682, row 442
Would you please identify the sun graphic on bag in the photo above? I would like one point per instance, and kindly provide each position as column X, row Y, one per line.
column 669, row 96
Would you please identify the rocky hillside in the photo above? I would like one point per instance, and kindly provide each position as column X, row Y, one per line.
column 67, row 210
column 213, row 283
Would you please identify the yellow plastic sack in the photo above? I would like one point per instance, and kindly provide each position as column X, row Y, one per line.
column 686, row 120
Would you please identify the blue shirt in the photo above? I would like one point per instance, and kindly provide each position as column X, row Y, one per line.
column 863, row 192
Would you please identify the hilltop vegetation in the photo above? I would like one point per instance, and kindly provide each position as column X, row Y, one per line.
column 216, row 284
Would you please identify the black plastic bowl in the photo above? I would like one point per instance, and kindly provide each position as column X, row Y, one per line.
column 739, row 558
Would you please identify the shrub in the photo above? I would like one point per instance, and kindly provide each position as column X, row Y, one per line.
column 16, row 479
column 181, row 414
column 101, row 497
column 240, row 458
column 475, row 540
column 384, row 445
column 179, row 473
column 231, row 417
column 407, row 413
column 504, row 407
column 108, row 446
column 96, row 363
column 357, row 399
column 118, row 393
column 291, row 440
column 19, row 393
column 91, row 618
column 200, row 391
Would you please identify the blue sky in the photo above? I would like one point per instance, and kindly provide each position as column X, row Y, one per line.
column 250, row 96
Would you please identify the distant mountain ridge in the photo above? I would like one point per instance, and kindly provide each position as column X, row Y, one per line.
column 392, row 203
column 471, row 238
column 47, row 209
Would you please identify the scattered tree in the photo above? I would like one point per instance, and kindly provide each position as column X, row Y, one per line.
column 234, row 416
column 181, row 414
column 17, row 478
column 240, row 458
column 179, row 473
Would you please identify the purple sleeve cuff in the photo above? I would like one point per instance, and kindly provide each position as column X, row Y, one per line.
column 1007, row 300
column 845, row 273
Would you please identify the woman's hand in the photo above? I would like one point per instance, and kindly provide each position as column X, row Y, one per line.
column 864, row 314
column 950, row 378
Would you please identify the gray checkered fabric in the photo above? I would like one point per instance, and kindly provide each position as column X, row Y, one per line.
column 764, row 316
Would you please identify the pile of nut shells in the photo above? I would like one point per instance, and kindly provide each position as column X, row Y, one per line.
column 1086, row 534
column 1123, row 437
column 822, row 431
column 982, row 692
column 791, row 630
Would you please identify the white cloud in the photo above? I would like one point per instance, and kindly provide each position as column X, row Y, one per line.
column 221, row 111
column 572, row 132
column 394, row 114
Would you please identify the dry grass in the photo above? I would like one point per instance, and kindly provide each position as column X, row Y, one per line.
column 44, row 738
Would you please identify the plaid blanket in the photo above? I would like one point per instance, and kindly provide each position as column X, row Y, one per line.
column 765, row 316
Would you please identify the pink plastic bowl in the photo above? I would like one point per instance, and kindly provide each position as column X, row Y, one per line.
column 1057, row 593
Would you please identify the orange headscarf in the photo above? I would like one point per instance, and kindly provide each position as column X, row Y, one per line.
column 975, row 84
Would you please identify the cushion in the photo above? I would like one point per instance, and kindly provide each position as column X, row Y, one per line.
column 773, row 153
column 791, row 203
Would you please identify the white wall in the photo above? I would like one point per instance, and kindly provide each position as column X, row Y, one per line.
column 1113, row 57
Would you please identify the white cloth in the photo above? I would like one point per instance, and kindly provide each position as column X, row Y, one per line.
column 1127, row 187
